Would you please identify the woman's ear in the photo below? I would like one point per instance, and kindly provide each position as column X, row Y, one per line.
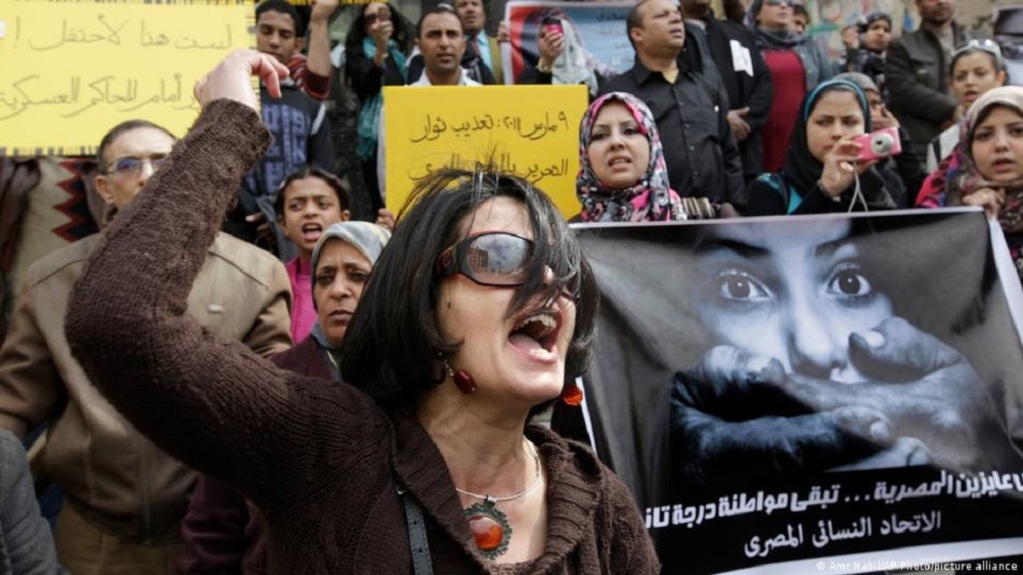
column 1002, row 77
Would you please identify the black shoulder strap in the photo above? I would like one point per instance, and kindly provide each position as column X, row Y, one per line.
column 418, row 542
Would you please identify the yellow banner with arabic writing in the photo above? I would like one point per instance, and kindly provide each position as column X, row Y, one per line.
column 71, row 70
column 532, row 131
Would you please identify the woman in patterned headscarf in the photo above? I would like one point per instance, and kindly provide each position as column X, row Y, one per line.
column 622, row 174
column 987, row 169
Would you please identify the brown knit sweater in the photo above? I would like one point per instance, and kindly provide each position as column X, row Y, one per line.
column 319, row 458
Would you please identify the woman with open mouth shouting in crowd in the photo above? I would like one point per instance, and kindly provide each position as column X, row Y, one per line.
column 477, row 313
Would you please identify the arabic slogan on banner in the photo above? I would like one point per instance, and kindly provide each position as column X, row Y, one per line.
column 791, row 390
column 72, row 70
column 530, row 131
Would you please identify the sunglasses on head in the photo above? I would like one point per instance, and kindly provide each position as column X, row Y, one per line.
column 488, row 258
column 989, row 46
column 780, row 2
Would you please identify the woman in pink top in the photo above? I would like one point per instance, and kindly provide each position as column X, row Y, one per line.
column 309, row 201
column 797, row 65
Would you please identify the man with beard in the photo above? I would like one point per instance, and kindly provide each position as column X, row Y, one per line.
column 917, row 73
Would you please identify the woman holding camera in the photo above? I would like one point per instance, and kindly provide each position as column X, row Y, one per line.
column 826, row 169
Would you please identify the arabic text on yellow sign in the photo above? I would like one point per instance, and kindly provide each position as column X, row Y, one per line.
column 73, row 70
column 531, row 131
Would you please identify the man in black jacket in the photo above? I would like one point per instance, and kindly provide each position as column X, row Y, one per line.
column 745, row 77
column 691, row 114
column 917, row 73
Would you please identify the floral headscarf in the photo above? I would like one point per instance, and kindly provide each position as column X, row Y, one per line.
column 963, row 178
column 650, row 199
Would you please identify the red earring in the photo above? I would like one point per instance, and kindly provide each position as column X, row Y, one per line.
column 463, row 381
column 572, row 394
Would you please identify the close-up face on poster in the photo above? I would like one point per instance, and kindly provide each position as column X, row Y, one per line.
column 790, row 390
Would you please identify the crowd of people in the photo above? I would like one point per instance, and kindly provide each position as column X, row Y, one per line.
column 188, row 435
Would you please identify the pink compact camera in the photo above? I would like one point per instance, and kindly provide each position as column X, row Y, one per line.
column 551, row 25
column 879, row 145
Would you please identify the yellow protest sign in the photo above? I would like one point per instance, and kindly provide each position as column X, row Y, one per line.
column 531, row 131
column 74, row 69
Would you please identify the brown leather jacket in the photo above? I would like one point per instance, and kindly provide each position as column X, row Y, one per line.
column 116, row 478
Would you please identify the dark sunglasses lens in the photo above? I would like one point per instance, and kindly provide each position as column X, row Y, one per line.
column 498, row 259
column 371, row 19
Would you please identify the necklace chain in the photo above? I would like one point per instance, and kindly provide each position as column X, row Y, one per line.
column 491, row 499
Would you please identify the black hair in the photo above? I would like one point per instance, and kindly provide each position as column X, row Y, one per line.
column 393, row 347
column 117, row 131
column 403, row 36
column 798, row 8
column 997, row 61
column 335, row 183
column 875, row 16
column 442, row 8
column 284, row 8
column 634, row 20
column 735, row 11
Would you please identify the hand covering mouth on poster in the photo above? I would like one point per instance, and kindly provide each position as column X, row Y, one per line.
column 785, row 357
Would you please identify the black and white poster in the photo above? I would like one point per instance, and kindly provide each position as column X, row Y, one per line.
column 809, row 394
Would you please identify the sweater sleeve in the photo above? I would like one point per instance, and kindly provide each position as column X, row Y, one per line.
column 215, row 405
column 632, row 550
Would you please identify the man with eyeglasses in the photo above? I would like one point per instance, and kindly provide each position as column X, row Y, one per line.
column 124, row 497
column 916, row 70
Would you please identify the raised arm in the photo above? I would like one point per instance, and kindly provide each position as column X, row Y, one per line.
column 318, row 68
column 215, row 405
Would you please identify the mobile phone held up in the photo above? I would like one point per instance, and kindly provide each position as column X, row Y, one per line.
column 551, row 25
column 879, row 145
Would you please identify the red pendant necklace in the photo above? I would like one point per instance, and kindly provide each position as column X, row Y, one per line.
column 489, row 525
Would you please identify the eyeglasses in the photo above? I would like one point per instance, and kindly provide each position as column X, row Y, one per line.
column 488, row 258
column 989, row 46
column 133, row 166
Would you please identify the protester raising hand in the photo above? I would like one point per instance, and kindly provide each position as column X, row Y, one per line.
column 230, row 78
column 392, row 469
column 551, row 43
